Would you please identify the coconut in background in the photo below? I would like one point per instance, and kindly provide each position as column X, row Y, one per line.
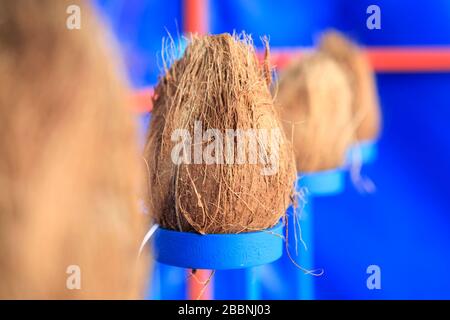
column 366, row 111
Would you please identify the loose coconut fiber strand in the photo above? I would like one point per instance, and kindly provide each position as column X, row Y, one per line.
column 68, row 165
column 365, row 105
column 217, row 81
column 315, row 107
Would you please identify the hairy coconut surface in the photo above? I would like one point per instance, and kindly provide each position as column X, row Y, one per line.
column 314, row 100
column 218, row 82
column 69, row 177
column 365, row 105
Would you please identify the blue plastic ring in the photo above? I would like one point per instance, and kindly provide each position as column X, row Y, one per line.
column 368, row 152
column 218, row 251
column 323, row 183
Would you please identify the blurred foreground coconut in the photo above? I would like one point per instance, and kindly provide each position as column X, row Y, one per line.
column 68, row 172
column 314, row 100
column 365, row 105
column 219, row 162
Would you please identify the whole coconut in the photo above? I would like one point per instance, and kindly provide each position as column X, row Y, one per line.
column 217, row 185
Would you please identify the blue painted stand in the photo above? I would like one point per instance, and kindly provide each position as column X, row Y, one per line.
column 167, row 283
column 238, row 284
column 236, row 258
column 282, row 279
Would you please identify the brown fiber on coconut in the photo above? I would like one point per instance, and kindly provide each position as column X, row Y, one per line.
column 68, row 167
column 219, row 82
column 314, row 99
column 365, row 105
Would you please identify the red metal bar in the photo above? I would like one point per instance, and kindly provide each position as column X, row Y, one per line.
column 141, row 100
column 280, row 57
column 410, row 59
column 196, row 16
column 200, row 285
column 383, row 59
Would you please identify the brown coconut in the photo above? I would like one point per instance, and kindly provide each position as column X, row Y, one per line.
column 365, row 105
column 69, row 176
column 314, row 100
column 217, row 81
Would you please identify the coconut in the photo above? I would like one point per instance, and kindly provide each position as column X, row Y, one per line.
column 235, row 172
column 314, row 100
column 365, row 105
column 69, row 170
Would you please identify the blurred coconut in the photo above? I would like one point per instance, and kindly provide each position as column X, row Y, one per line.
column 314, row 99
column 218, row 84
column 69, row 176
column 365, row 105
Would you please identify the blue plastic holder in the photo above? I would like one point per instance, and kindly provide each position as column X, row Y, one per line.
column 324, row 183
column 218, row 251
column 366, row 151
column 235, row 257
column 282, row 279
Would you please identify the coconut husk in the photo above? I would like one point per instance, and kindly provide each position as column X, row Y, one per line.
column 219, row 82
column 69, row 170
column 365, row 105
column 314, row 100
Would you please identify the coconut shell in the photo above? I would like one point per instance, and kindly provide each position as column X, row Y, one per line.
column 365, row 105
column 219, row 82
column 314, row 100
column 69, row 165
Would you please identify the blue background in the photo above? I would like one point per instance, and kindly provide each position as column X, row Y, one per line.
column 403, row 227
